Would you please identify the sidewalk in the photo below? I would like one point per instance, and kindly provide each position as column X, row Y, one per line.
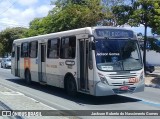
column 153, row 79
column 12, row 100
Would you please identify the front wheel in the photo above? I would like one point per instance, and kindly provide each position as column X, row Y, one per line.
column 71, row 86
column 28, row 77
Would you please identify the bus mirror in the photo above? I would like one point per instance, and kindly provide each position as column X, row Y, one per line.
column 92, row 45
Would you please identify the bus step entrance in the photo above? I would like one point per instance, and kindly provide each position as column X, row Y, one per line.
column 43, row 83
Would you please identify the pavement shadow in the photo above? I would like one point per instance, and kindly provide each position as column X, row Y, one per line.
column 81, row 99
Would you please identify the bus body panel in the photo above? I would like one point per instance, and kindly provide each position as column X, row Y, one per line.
column 34, row 69
column 83, row 67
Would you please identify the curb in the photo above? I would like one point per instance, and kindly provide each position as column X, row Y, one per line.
column 152, row 85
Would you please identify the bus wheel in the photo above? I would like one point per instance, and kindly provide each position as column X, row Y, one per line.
column 28, row 77
column 71, row 86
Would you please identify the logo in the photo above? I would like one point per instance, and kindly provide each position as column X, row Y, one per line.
column 6, row 113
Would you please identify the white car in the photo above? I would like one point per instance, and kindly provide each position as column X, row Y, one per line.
column 6, row 63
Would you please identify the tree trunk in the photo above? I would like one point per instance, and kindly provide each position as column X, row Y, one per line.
column 144, row 52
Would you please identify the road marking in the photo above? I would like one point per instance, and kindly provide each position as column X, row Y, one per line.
column 150, row 103
column 11, row 93
column 144, row 101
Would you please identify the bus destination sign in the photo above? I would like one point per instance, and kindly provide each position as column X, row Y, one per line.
column 114, row 33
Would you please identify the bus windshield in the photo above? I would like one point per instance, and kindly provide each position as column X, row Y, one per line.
column 117, row 55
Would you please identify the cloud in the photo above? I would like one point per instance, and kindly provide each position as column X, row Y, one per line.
column 21, row 16
column 43, row 10
column 27, row 2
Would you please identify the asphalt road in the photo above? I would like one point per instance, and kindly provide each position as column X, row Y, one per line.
column 58, row 99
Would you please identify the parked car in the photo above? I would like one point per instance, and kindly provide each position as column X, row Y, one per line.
column 6, row 63
column 150, row 68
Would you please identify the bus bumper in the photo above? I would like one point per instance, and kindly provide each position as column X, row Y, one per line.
column 105, row 90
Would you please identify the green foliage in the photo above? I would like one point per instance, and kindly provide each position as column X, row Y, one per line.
column 67, row 15
column 1, row 49
column 7, row 37
column 108, row 5
column 122, row 13
column 72, row 16
column 146, row 12
column 36, row 27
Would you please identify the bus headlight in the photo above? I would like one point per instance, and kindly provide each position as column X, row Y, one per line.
column 103, row 78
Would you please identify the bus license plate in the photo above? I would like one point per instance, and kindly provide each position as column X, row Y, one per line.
column 124, row 88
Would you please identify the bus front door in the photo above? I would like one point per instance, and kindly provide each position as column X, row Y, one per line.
column 42, row 63
column 17, row 61
column 83, row 65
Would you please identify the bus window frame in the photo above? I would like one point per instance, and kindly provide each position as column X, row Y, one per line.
column 27, row 49
column 58, row 39
column 61, row 46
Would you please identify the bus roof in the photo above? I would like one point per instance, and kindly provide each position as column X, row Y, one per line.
column 65, row 33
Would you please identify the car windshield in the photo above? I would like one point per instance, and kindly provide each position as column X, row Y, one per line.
column 117, row 54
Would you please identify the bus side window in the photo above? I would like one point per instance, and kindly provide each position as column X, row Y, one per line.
column 68, row 48
column 24, row 50
column 53, row 48
column 33, row 48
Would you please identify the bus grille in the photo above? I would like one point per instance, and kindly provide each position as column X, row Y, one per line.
column 118, row 91
column 121, row 76
column 121, row 84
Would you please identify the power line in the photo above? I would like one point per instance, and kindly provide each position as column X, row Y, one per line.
column 12, row 4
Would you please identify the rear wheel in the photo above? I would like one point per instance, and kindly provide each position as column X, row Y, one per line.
column 71, row 86
column 28, row 77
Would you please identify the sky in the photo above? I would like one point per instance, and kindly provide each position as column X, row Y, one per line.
column 140, row 29
column 18, row 13
column 15, row 13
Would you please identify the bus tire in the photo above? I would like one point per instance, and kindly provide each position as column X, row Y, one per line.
column 28, row 77
column 71, row 87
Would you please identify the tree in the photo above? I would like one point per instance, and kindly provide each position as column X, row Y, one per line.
column 75, row 15
column 110, row 18
column 143, row 12
column 67, row 15
column 36, row 27
column 7, row 37
column 1, row 49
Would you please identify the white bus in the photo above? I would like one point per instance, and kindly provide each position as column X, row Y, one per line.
column 99, row 61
